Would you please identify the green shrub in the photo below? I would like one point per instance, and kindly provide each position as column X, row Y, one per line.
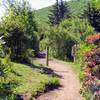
column 62, row 38
column 9, row 97
column 81, row 50
column 19, row 29
column 5, row 69
column 87, row 94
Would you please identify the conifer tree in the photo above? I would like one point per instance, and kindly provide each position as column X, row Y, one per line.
column 64, row 10
column 54, row 17
column 93, row 15
column 59, row 12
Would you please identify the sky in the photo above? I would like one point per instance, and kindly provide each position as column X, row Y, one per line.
column 36, row 4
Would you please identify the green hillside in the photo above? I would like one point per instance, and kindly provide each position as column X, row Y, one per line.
column 77, row 8
column 42, row 15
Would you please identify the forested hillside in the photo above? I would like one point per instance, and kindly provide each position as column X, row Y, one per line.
column 77, row 8
column 42, row 15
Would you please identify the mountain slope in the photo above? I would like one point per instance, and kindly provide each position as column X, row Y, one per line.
column 76, row 7
column 42, row 15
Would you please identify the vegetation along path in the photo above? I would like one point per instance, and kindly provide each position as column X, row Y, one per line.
column 70, row 85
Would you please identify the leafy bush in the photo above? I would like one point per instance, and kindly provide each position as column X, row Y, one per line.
column 89, row 58
column 19, row 29
column 80, row 51
column 5, row 68
column 62, row 38
column 6, row 87
column 82, row 48
column 91, row 71
column 77, row 28
column 58, row 41
column 93, row 38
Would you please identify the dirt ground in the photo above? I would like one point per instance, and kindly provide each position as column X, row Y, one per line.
column 70, row 85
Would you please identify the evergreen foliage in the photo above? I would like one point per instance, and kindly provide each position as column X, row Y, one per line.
column 93, row 15
column 59, row 12
column 54, row 18
column 75, row 8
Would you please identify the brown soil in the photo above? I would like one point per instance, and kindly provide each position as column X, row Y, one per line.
column 70, row 85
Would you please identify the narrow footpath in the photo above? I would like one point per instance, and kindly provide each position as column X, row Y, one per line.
column 70, row 85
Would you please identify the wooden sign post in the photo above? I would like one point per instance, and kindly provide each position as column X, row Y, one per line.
column 47, row 56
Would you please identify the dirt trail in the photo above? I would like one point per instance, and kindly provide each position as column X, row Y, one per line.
column 69, row 81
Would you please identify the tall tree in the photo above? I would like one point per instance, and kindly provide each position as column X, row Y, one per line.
column 93, row 15
column 20, row 26
column 59, row 12
column 54, row 17
column 64, row 10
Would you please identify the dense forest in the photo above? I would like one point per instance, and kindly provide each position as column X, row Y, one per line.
column 70, row 31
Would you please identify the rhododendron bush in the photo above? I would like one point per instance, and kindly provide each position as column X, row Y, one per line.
column 91, row 79
column 93, row 38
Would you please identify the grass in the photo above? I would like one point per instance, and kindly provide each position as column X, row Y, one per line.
column 41, row 15
column 77, row 68
column 29, row 79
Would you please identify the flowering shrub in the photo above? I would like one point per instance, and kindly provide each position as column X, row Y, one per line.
column 93, row 38
column 91, row 78
column 93, row 57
